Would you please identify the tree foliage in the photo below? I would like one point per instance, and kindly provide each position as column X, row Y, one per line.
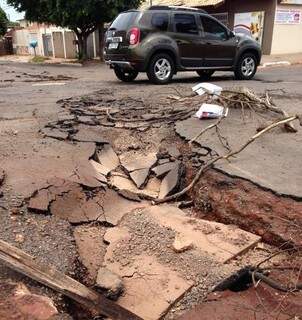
column 3, row 23
column 81, row 16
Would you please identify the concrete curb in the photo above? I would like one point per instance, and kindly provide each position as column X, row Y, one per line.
column 276, row 63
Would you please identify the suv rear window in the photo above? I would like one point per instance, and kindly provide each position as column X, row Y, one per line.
column 124, row 20
column 185, row 23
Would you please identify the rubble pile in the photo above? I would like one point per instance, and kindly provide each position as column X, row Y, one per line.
column 153, row 260
column 38, row 77
column 102, row 110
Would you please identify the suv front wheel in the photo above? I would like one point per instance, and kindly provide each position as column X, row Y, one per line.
column 246, row 67
column 161, row 69
column 125, row 75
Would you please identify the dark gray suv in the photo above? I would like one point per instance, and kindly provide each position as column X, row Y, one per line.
column 164, row 40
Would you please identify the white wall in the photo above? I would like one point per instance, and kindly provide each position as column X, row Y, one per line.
column 287, row 38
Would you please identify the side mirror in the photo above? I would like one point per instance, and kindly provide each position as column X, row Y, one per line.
column 231, row 34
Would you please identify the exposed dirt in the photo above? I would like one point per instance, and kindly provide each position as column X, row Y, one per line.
column 276, row 219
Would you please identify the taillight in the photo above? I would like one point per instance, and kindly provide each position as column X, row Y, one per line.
column 134, row 36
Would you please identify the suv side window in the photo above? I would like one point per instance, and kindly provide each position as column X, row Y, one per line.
column 212, row 29
column 185, row 23
column 160, row 21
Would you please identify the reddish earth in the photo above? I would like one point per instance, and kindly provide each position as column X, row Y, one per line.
column 253, row 304
column 235, row 201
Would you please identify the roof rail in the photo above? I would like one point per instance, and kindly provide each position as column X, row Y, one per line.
column 181, row 8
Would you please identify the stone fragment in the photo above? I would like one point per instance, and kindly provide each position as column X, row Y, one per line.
column 163, row 169
column 139, row 177
column 91, row 248
column 108, row 158
column 54, row 133
column 17, row 302
column 110, row 282
column 170, row 183
column 19, row 238
column 181, row 244
column 219, row 241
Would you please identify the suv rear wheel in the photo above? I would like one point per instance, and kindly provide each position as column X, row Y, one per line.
column 205, row 74
column 161, row 69
column 125, row 75
column 246, row 67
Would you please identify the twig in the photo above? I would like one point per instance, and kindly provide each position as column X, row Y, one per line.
column 226, row 157
column 213, row 125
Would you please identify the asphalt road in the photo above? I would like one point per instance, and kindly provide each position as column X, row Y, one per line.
column 27, row 104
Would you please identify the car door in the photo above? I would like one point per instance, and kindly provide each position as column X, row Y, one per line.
column 219, row 44
column 187, row 35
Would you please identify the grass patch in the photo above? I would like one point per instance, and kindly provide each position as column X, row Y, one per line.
column 39, row 59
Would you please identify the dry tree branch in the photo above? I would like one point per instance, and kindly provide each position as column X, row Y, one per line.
column 226, row 157
column 261, row 103
column 213, row 125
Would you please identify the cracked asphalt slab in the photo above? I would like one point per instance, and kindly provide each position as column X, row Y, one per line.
column 29, row 159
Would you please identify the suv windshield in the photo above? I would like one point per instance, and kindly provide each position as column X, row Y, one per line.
column 124, row 20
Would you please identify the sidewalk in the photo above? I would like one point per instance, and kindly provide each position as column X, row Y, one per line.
column 281, row 59
column 48, row 60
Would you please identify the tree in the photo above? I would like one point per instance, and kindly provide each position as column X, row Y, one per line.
column 81, row 16
column 3, row 23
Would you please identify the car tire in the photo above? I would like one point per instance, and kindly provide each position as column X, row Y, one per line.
column 205, row 74
column 161, row 69
column 246, row 67
column 125, row 75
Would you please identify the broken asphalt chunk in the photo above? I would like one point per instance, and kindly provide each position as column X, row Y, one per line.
column 163, row 169
column 129, row 195
column 139, row 177
column 101, row 169
column 86, row 135
column 91, row 248
column 54, row 133
column 221, row 242
column 108, row 158
column 139, row 162
column 150, row 191
column 86, row 175
column 170, row 183
column 67, row 200
column 115, row 207
column 143, row 278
